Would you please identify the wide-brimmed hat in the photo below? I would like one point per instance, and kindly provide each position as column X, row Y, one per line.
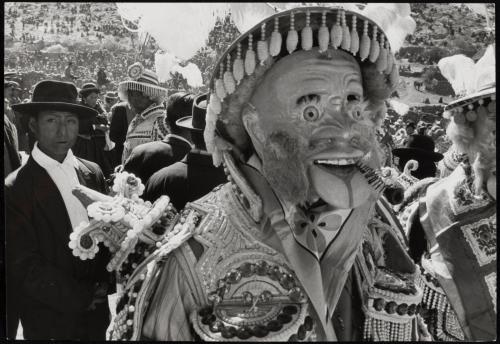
column 89, row 88
column 142, row 80
column 54, row 95
column 475, row 82
column 195, row 122
column 419, row 147
column 362, row 33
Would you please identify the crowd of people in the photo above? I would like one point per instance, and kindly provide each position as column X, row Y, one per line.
column 300, row 210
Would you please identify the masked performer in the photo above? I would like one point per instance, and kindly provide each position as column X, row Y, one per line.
column 290, row 248
column 452, row 224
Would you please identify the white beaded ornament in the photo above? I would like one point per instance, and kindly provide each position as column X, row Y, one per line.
column 354, row 37
column 381, row 64
column 306, row 34
column 262, row 47
column 336, row 33
column 275, row 43
column 250, row 57
column 292, row 39
column 219, row 84
column 229, row 82
column 346, row 36
column 374, row 47
column 364, row 49
column 323, row 34
column 238, row 68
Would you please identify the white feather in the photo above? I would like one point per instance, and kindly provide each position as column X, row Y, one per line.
column 394, row 19
column 192, row 74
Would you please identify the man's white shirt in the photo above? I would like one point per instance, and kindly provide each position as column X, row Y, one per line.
column 65, row 177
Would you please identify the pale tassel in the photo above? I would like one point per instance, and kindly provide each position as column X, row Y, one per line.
column 346, row 36
column 250, row 57
column 336, row 32
column 211, row 120
column 215, row 104
column 354, row 37
column 262, row 47
column 374, row 49
column 238, row 68
column 306, row 34
column 323, row 34
column 390, row 61
column 292, row 39
column 219, row 84
column 381, row 64
column 364, row 49
column 393, row 78
column 275, row 44
column 229, row 82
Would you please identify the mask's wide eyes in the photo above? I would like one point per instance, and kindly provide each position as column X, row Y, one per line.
column 311, row 113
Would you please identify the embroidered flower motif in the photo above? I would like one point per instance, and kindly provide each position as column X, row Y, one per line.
column 311, row 231
column 482, row 238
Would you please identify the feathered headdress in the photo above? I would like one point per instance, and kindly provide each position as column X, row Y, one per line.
column 474, row 83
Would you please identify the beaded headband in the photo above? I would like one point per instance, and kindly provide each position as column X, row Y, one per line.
column 289, row 31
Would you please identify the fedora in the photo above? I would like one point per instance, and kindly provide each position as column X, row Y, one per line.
column 54, row 95
column 197, row 120
column 420, row 147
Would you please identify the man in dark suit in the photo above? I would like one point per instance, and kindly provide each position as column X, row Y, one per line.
column 120, row 118
column 195, row 175
column 150, row 157
column 55, row 294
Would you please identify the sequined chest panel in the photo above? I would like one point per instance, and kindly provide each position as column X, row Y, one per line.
column 250, row 291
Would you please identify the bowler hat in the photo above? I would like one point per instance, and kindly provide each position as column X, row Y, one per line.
column 89, row 88
column 197, row 120
column 54, row 95
column 420, row 147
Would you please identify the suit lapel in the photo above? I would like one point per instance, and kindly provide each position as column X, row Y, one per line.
column 49, row 200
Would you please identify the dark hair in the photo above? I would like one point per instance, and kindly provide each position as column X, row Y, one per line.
column 178, row 105
column 411, row 124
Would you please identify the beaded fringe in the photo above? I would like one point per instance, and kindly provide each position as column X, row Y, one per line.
column 383, row 330
column 435, row 300
column 145, row 89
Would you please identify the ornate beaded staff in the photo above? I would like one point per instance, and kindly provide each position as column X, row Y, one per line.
column 124, row 223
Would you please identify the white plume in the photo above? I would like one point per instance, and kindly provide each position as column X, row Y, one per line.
column 458, row 70
column 164, row 62
column 192, row 74
column 466, row 77
column 248, row 14
column 394, row 19
column 178, row 28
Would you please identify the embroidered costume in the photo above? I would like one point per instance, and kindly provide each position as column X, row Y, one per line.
column 452, row 222
column 295, row 246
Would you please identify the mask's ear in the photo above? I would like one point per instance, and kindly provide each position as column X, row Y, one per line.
column 251, row 123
